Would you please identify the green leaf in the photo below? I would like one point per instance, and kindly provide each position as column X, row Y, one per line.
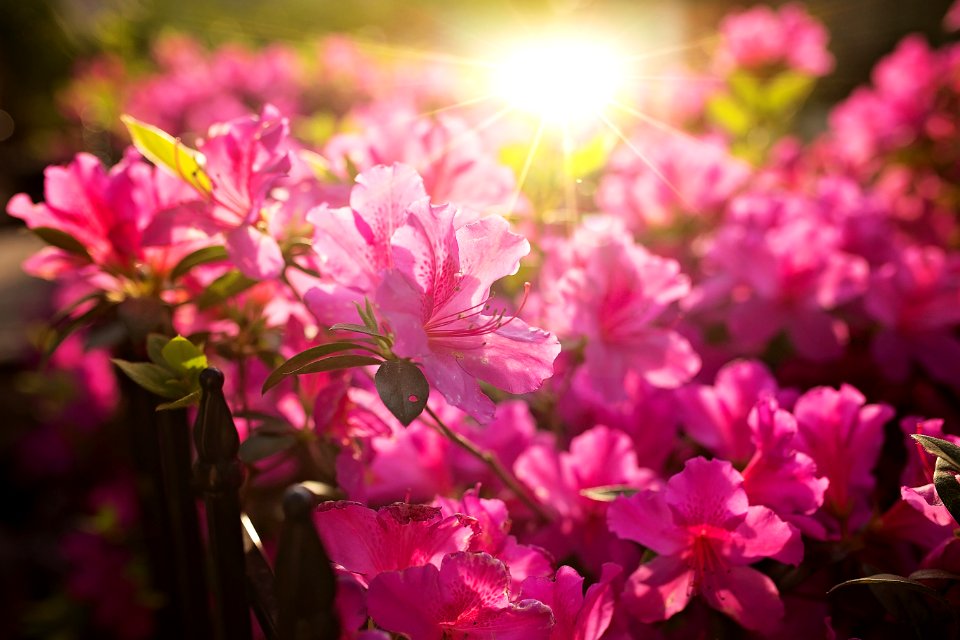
column 304, row 358
column 186, row 401
column 729, row 114
column 746, row 88
column 163, row 150
column 608, row 493
column 590, row 157
column 403, row 389
column 883, row 579
column 338, row 362
column 933, row 574
column 54, row 337
column 61, row 240
column 940, row 448
column 198, row 257
column 357, row 328
column 227, row 285
column 155, row 344
column 183, row 356
column 786, row 91
column 908, row 601
column 259, row 445
column 945, row 482
column 152, row 377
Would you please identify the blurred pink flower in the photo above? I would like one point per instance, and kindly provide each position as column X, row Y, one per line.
column 578, row 615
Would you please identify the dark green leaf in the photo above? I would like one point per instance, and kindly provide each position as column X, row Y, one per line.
column 945, row 481
column 153, row 378
column 183, row 356
column 55, row 336
column 62, row 240
column 262, row 445
column 940, row 448
column 266, row 423
column 883, row 579
column 403, row 389
column 198, row 257
column 227, row 285
column 933, row 574
column 906, row 600
column 304, row 358
column 186, row 401
column 338, row 362
column 608, row 493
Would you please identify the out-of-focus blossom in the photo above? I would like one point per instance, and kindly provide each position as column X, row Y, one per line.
column 764, row 38
column 578, row 615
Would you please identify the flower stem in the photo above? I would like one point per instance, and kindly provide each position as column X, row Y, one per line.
column 491, row 460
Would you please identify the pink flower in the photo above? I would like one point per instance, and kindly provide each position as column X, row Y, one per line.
column 778, row 476
column 706, row 535
column 843, row 435
column 693, row 178
column 578, row 616
column 916, row 300
column 367, row 542
column 716, row 416
column 456, row 164
column 951, row 21
column 436, row 303
column 467, row 597
column 493, row 537
column 762, row 37
column 612, row 295
column 244, row 159
column 599, row 457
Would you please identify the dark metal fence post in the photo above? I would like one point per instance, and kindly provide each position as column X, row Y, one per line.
column 219, row 474
column 306, row 583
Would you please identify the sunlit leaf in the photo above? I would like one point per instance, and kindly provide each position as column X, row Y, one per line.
column 163, row 150
column 152, row 377
column 183, row 356
column 608, row 493
column 403, row 389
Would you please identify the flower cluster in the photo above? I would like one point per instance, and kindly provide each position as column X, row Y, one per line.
column 689, row 407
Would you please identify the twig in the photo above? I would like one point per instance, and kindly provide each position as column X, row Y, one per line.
column 489, row 459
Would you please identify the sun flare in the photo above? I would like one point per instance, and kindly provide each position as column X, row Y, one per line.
column 559, row 79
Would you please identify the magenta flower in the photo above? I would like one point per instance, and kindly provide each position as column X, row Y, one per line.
column 916, row 300
column 436, row 303
column 778, row 476
column 578, row 616
column 600, row 457
column 493, row 537
column 843, row 435
column 762, row 37
column 706, row 535
column 716, row 416
column 367, row 542
column 951, row 21
column 467, row 597
column 613, row 295
column 702, row 172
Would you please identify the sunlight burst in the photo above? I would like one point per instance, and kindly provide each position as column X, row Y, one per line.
column 560, row 80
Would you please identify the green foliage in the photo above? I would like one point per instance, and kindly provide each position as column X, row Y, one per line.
column 945, row 472
column 298, row 363
column 61, row 240
column 608, row 493
column 163, row 150
column 403, row 389
column 173, row 371
column 197, row 258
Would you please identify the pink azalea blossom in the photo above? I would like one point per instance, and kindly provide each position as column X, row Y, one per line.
column 613, row 297
column 763, row 37
column 600, row 457
column 916, row 300
column 778, row 476
column 951, row 21
column 435, row 301
column 493, row 537
column 706, row 535
column 843, row 436
column 366, row 543
column 692, row 178
column 578, row 616
column 716, row 416
column 467, row 597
